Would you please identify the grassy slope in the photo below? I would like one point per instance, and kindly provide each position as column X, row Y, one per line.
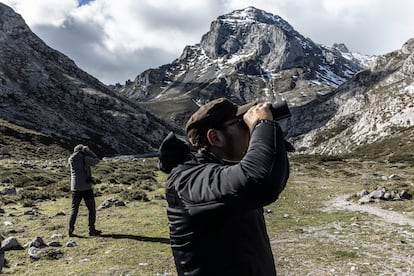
column 23, row 143
column 306, row 239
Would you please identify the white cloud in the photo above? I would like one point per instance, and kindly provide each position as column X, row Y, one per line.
column 130, row 25
column 340, row 8
column 116, row 40
column 43, row 11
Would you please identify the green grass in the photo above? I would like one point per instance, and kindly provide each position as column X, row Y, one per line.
column 306, row 239
column 133, row 235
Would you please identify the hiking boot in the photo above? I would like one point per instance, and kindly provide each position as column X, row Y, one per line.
column 95, row 232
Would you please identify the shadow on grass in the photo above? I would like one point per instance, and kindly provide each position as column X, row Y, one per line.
column 78, row 236
column 137, row 238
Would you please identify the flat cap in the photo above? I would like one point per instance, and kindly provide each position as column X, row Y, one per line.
column 216, row 112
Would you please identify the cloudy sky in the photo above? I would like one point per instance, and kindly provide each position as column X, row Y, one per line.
column 115, row 40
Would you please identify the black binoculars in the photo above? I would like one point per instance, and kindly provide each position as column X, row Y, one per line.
column 280, row 110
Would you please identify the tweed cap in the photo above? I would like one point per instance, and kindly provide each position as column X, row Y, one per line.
column 214, row 113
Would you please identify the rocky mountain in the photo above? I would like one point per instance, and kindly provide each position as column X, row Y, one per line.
column 47, row 102
column 375, row 107
column 340, row 101
column 246, row 55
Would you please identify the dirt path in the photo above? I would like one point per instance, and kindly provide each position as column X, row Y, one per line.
column 381, row 244
column 341, row 203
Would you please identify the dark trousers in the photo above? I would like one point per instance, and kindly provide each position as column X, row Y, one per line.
column 89, row 199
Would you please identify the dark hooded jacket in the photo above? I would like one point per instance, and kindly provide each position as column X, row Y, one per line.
column 215, row 209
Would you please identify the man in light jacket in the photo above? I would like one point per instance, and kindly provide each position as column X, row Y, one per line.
column 81, row 185
column 216, row 196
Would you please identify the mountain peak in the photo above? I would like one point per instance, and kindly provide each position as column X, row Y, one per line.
column 242, row 14
column 267, row 44
column 341, row 47
column 253, row 14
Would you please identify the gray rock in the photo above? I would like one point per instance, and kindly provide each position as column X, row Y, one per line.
column 365, row 199
column 32, row 212
column 119, row 203
column 388, row 195
column 10, row 243
column 37, row 242
column 382, row 193
column 394, row 177
column 9, row 190
column 378, row 193
column 33, row 253
column 54, row 244
column 71, row 243
column 56, row 236
column 107, row 203
column 405, row 195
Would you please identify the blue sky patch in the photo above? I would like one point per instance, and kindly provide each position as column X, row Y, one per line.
column 84, row 2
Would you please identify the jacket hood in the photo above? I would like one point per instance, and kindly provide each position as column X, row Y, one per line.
column 173, row 151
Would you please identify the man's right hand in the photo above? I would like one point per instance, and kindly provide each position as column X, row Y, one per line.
column 260, row 111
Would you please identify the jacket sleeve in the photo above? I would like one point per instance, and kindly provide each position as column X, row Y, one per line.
column 255, row 181
column 91, row 159
column 266, row 164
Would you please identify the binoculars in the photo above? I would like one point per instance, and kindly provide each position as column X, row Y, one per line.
column 280, row 110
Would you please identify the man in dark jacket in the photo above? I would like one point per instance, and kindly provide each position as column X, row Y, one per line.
column 81, row 184
column 216, row 196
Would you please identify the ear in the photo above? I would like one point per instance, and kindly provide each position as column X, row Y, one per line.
column 214, row 137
